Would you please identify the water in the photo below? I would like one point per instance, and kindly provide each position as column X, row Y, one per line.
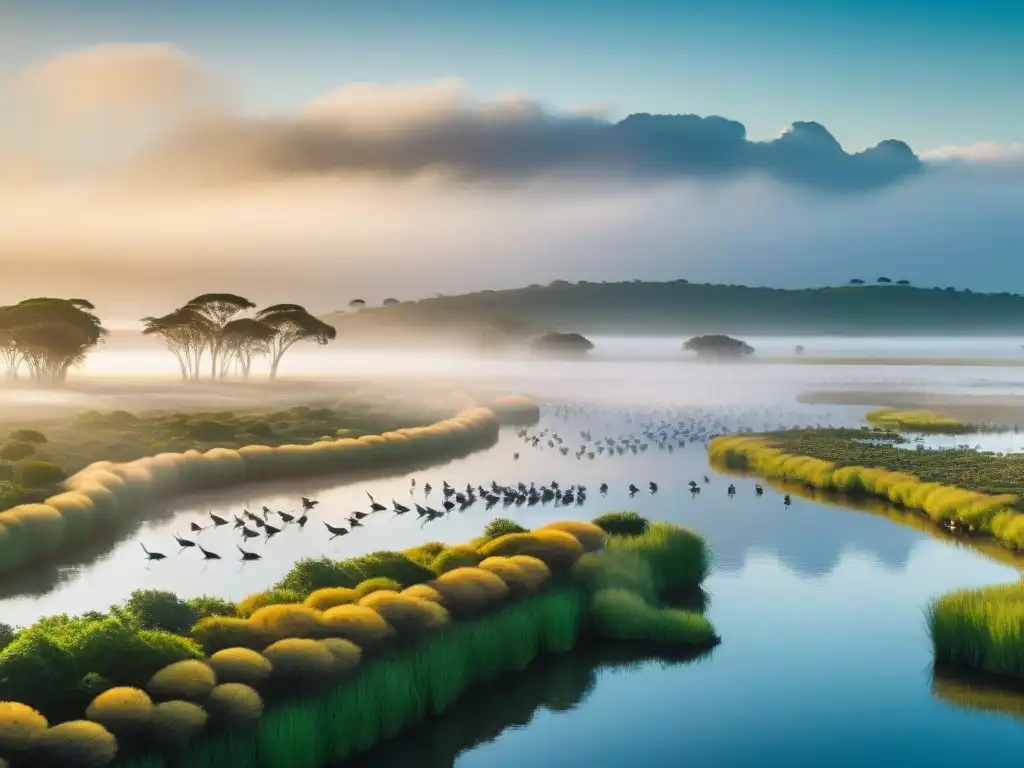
column 825, row 659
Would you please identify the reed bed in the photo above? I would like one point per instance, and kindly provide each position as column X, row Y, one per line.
column 977, row 511
column 980, row 629
column 344, row 657
column 918, row 421
column 107, row 493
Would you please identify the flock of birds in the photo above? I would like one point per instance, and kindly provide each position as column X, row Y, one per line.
column 664, row 431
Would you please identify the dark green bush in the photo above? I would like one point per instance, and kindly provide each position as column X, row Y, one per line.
column 205, row 605
column 7, row 634
column 234, row 703
column 158, row 609
column 309, row 575
column 622, row 523
column 12, row 494
column 27, row 436
column 210, row 431
column 76, row 744
column 38, row 474
column 16, row 451
column 6, row 470
column 176, row 723
column 258, row 428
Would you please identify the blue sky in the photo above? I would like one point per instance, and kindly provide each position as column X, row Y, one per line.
column 930, row 73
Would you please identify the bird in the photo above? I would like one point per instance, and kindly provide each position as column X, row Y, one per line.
column 208, row 555
column 732, row 490
column 302, row 521
column 249, row 555
column 217, row 521
column 359, row 515
column 337, row 531
column 400, row 509
column 239, row 522
column 786, row 500
column 270, row 530
column 654, row 487
column 285, row 516
column 603, row 488
column 195, row 527
column 374, row 505
column 758, row 490
column 184, row 542
column 152, row 555
column 354, row 522
column 249, row 533
column 308, row 504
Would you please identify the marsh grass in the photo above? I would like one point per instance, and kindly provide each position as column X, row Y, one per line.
column 980, row 629
column 918, row 421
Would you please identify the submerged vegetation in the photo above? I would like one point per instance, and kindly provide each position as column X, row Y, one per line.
column 339, row 655
column 917, row 421
column 61, row 514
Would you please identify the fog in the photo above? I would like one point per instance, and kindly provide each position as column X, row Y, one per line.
column 133, row 176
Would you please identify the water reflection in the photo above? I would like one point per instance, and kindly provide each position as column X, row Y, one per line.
column 556, row 683
column 979, row 693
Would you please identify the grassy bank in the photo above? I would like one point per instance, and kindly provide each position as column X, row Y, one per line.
column 977, row 629
column 918, row 421
column 107, row 493
column 338, row 655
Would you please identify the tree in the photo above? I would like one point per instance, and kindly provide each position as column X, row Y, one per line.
column 186, row 333
column 291, row 324
column 357, row 304
column 245, row 338
column 48, row 336
column 716, row 346
column 218, row 309
column 883, row 280
column 902, row 282
column 856, row 281
column 561, row 344
column 389, row 302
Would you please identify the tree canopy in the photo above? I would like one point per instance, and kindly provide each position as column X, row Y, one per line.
column 717, row 346
column 561, row 343
column 47, row 336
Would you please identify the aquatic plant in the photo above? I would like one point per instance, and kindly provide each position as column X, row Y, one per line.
column 917, row 421
column 981, row 629
column 622, row 523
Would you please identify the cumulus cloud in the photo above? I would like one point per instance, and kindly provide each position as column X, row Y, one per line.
column 411, row 189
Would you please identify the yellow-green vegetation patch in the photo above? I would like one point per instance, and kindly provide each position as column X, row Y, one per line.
column 917, row 421
column 981, row 629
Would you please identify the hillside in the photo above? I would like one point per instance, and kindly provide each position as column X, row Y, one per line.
column 681, row 308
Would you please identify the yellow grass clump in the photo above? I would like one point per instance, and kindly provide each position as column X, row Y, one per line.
column 123, row 711
column 358, row 623
column 991, row 514
column 424, row 592
column 365, row 587
column 300, row 659
column 77, row 744
column 522, row 579
column 176, row 723
column 249, row 604
column 915, row 421
column 217, row 632
column 106, row 492
column 190, row 679
column 557, row 549
column 283, row 621
column 408, row 615
column 240, row 665
column 234, row 703
column 329, row 597
column 586, row 533
column 347, row 654
column 20, row 728
column 459, row 556
column 469, row 591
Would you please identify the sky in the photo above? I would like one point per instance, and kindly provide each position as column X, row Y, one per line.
column 483, row 144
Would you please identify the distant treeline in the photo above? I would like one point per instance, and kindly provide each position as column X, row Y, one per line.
column 682, row 308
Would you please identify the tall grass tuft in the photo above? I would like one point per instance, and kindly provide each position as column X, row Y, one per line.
column 917, row 421
column 982, row 629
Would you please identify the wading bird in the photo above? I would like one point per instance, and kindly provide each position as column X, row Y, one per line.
column 249, row 555
column 308, row 504
column 183, row 542
column 335, row 530
column 217, row 521
column 152, row 555
column 208, row 555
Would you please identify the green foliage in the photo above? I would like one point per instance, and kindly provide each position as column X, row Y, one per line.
column 277, row 596
column 620, row 614
column 205, row 605
column 499, row 526
column 206, row 431
column 309, row 575
column 367, row 586
column 38, row 474
column 7, row 635
column 234, row 703
column 32, row 436
column 557, row 549
column 458, row 556
column 158, row 609
column 176, row 723
column 12, row 494
column 76, row 744
column 16, row 451
column 918, row 421
column 622, row 523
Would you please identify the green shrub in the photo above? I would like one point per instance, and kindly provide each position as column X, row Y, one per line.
column 309, row 575
column 123, row 711
column 364, row 588
column 207, row 431
column 623, row 615
column 259, row 428
column 363, row 626
column 12, row 494
column 6, row 470
column 234, row 703
column 410, row 617
column 205, row 606
column 300, row 660
column 469, row 591
column 27, row 436
column 240, row 665
column 7, row 635
column 20, row 728
column 16, row 451
column 328, row 597
column 424, row 554
column 38, row 474
column 277, row 596
column 218, row 632
column 980, row 629
column 500, row 526
column 587, row 534
column 459, row 556
column 190, row 680
column 176, row 723
column 622, row 523
column 159, row 609
column 77, row 744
